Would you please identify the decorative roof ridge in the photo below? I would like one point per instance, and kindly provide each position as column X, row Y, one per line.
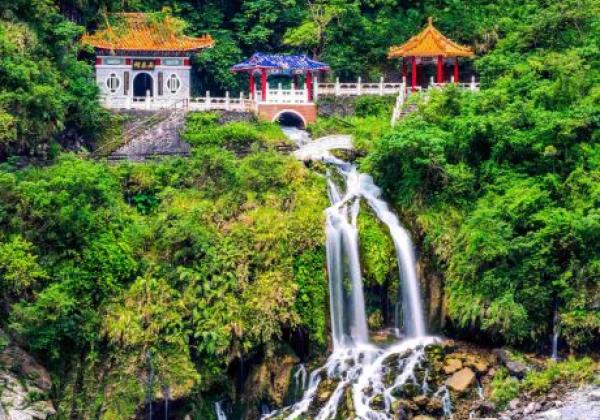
column 141, row 35
column 442, row 45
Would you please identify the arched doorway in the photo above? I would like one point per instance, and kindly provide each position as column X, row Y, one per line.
column 143, row 83
column 288, row 118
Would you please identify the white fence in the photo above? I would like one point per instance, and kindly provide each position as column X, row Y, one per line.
column 357, row 88
column 283, row 96
column 381, row 88
column 277, row 95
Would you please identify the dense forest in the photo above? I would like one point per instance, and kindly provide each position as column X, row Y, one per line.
column 194, row 268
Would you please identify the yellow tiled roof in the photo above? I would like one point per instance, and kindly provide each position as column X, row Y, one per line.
column 138, row 34
column 430, row 43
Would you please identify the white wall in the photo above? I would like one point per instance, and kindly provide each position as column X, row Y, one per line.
column 118, row 99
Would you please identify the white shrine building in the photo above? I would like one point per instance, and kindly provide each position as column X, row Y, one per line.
column 142, row 61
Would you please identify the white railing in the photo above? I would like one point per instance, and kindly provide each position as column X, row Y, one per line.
column 381, row 88
column 226, row 103
column 280, row 95
column 473, row 85
column 203, row 103
column 356, row 88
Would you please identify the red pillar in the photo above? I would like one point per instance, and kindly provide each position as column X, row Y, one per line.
column 413, row 81
column 440, row 69
column 309, row 85
column 251, row 85
column 456, row 70
column 263, row 84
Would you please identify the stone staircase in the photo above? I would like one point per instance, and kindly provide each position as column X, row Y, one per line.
column 157, row 135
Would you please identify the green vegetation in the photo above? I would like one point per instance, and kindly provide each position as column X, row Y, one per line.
column 504, row 388
column 503, row 183
column 573, row 371
column 184, row 264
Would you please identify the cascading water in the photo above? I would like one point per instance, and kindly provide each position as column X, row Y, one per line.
column 372, row 377
column 555, row 333
column 220, row 411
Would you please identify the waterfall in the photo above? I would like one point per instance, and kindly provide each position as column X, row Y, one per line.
column 356, row 368
column 555, row 333
column 220, row 411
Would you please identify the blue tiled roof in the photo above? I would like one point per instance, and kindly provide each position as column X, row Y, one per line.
column 279, row 62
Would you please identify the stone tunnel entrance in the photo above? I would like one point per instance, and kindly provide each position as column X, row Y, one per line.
column 290, row 119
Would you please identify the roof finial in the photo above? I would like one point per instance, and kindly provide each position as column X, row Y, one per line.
column 430, row 20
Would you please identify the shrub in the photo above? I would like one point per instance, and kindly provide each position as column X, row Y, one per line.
column 379, row 106
column 504, row 388
column 571, row 370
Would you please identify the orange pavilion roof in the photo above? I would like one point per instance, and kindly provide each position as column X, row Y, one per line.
column 430, row 43
column 139, row 33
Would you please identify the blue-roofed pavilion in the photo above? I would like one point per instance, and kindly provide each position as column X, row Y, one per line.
column 292, row 65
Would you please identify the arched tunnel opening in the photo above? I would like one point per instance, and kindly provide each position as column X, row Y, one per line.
column 290, row 119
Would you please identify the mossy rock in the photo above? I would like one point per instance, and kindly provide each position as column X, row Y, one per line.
column 377, row 402
column 407, row 391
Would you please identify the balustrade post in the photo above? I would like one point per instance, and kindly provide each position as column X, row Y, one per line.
column 280, row 92
column 472, row 82
column 207, row 100
column 381, row 86
column 148, row 99
column 337, row 86
column 227, row 107
column 431, row 82
column 316, row 88
column 359, row 86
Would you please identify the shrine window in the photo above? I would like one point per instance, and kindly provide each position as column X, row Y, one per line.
column 173, row 84
column 113, row 83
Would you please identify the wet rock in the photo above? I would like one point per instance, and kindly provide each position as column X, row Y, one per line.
column 452, row 365
column 461, row 381
column 595, row 395
column 483, row 408
column 477, row 363
column 435, row 407
column 325, row 390
column 399, row 411
column 377, row 402
column 407, row 390
column 421, row 400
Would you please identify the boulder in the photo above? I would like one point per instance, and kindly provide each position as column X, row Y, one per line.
column 421, row 400
column 452, row 365
column 513, row 404
column 462, row 380
column 423, row 417
column 514, row 367
column 24, row 384
column 595, row 395
column 435, row 406
column 477, row 363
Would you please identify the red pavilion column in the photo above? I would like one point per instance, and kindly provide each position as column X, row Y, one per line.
column 309, row 85
column 440, row 69
column 263, row 85
column 456, row 70
column 413, row 81
column 251, row 85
